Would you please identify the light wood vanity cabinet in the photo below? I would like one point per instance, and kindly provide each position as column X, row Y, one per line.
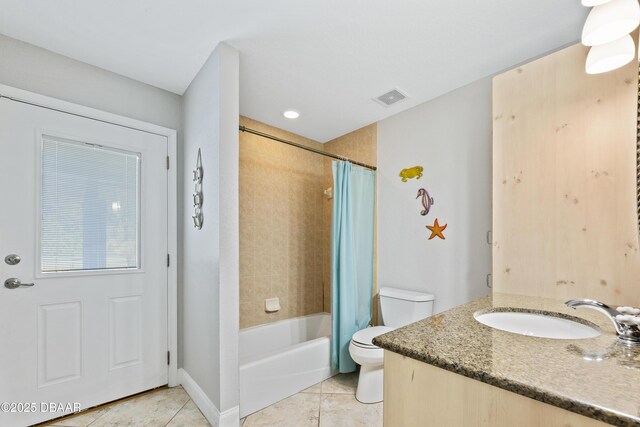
column 417, row 394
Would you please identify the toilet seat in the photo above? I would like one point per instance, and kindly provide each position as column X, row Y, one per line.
column 364, row 338
column 366, row 356
column 366, row 347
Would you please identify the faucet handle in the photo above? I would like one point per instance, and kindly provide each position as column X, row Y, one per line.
column 628, row 319
column 626, row 323
column 629, row 310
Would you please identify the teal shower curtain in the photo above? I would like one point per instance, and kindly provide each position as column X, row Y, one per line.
column 352, row 231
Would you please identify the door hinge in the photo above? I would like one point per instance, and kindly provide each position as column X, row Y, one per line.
column 167, row 162
column 168, row 358
column 168, row 260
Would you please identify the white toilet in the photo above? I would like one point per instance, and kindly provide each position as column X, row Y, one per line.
column 398, row 308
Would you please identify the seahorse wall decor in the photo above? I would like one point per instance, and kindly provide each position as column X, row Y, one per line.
column 427, row 201
column 409, row 173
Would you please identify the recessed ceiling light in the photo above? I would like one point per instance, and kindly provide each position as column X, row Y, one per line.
column 290, row 114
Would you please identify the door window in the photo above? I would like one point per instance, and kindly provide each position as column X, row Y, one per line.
column 90, row 207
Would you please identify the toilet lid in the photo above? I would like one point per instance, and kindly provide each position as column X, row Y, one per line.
column 366, row 336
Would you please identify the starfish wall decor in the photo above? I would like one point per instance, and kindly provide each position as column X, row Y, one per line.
column 436, row 230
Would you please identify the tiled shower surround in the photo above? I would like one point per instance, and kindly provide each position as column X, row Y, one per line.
column 285, row 221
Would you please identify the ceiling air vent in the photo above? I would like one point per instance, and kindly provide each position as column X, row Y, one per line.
column 390, row 98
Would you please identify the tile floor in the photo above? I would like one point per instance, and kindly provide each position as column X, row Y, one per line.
column 331, row 403
column 170, row 407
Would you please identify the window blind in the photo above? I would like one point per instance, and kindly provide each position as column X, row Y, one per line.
column 90, row 207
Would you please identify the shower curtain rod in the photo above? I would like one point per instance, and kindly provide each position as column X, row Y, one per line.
column 313, row 150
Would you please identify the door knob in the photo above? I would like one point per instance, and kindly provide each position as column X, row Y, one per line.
column 12, row 259
column 14, row 283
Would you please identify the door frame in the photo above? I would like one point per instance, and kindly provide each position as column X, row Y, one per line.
column 172, row 196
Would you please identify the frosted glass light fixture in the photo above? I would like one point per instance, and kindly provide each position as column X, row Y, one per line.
column 610, row 21
column 592, row 3
column 608, row 57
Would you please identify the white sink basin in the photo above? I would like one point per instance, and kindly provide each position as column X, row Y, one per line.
column 537, row 325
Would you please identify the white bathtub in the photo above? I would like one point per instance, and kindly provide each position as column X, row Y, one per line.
column 283, row 358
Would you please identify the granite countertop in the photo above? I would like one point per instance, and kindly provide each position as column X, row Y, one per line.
column 596, row 377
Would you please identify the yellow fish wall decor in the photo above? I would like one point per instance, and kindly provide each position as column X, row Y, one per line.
column 409, row 173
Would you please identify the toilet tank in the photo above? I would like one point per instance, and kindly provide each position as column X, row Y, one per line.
column 399, row 307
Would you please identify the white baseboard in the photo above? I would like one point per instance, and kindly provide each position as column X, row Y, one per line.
column 228, row 418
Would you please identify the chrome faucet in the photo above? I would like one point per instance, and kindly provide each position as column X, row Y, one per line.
column 626, row 324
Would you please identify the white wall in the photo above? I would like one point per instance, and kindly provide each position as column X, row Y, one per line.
column 38, row 70
column 210, row 259
column 450, row 137
column 228, row 201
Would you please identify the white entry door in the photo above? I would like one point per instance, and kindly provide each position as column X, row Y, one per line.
column 84, row 206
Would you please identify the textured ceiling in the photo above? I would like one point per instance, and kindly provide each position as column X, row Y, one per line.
column 326, row 59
